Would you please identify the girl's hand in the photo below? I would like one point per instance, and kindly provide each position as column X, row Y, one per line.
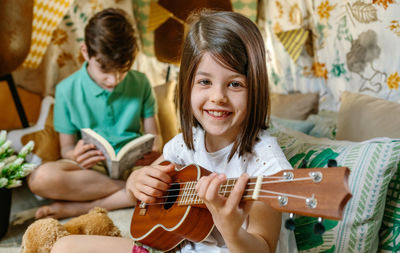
column 86, row 155
column 228, row 213
column 150, row 182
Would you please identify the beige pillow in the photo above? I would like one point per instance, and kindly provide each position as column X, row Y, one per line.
column 363, row 117
column 47, row 143
column 294, row 106
column 166, row 110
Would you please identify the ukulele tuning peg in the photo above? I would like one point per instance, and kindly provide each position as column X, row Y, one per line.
column 289, row 223
column 303, row 164
column 332, row 163
column 319, row 228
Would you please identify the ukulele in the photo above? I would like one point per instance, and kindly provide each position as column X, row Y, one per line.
column 181, row 214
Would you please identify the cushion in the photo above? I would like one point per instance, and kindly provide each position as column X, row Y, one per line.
column 372, row 164
column 47, row 139
column 47, row 147
column 324, row 124
column 362, row 117
column 298, row 125
column 166, row 110
column 389, row 236
column 294, row 106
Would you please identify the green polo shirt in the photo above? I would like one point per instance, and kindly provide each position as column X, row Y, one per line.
column 81, row 103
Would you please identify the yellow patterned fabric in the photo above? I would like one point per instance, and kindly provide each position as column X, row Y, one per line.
column 158, row 15
column 293, row 41
column 47, row 14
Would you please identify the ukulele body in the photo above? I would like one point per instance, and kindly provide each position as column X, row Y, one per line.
column 181, row 214
column 164, row 226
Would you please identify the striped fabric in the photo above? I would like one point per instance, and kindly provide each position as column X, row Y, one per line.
column 389, row 235
column 372, row 164
column 47, row 14
column 293, row 41
column 158, row 15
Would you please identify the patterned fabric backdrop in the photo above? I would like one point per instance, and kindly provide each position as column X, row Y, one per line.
column 351, row 45
column 62, row 54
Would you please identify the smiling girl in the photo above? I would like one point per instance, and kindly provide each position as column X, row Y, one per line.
column 223, row 102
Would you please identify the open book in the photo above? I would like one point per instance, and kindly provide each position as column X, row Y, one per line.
column 126, row 157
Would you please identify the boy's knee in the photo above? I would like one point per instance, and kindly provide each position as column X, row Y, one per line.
column 42, row 177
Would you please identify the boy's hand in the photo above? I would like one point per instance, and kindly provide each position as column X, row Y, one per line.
column 148, row 158
column 86, row 155
column 150, row 182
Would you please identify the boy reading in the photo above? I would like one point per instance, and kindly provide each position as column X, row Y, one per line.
column 108, row 97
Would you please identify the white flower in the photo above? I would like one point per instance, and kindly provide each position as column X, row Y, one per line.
column 3, row 182
column 3, row 135
column 27, row 168
column 17, row 162
column 14, row 183
column 5, row 146
column 9, row 159
column 26, row 149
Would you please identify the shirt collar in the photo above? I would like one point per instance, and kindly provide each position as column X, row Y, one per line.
column 94, row 87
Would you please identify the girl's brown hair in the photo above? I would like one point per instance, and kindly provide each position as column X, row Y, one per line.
column 109, row 37
column 235, row 42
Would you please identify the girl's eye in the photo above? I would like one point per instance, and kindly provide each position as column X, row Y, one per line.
column 204, row 82
column 235, row 84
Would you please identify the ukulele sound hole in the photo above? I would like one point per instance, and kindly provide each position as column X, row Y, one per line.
column 173, row 194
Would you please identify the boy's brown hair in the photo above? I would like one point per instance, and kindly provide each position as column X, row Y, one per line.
column 109, row 37
column 235, row 42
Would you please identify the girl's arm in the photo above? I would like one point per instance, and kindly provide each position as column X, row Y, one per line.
column 229, row 214
column 263, row 229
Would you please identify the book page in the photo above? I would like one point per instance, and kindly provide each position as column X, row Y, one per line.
column 90, row 136
column 134, row 151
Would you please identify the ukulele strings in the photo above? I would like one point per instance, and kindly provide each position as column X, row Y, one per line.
column 224, row 191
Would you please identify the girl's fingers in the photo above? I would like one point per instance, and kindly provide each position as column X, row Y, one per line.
column 202, row 185
column 145, row 198
column 152, row 192
column 236, row 194
column 154, row 183
column 213, row 188
column 161, row 172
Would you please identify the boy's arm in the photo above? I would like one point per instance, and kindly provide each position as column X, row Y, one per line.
column 86, row 155
column 150, row 125
column 67, row 145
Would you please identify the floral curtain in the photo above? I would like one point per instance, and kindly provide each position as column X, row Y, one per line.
column 351, row 45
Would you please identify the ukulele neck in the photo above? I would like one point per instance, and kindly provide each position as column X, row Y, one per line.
column 189, row 194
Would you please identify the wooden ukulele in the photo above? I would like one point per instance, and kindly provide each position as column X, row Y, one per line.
column 180, row 214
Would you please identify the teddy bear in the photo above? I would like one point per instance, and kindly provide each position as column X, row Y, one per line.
column 41, row 235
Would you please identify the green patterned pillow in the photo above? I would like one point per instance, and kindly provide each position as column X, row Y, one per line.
column 389, row 235
column 372, row 164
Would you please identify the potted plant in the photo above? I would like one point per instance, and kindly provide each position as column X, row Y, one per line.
column 13, row 168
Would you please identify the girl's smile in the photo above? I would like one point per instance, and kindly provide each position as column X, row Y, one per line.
column 219, row 102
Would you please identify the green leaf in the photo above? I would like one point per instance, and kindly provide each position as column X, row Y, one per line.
column 304, row 232
column 295, row 159
column 309, row 154
column 322, row 158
